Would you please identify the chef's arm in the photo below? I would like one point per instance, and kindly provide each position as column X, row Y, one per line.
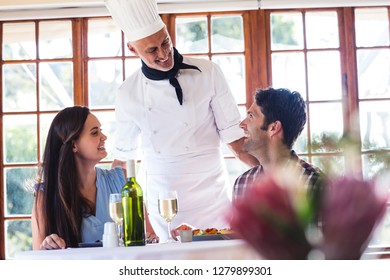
column 236, row 148
column 118, row 162
column 149, row 228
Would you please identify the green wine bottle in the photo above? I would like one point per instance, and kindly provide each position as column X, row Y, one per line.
column 133, row 209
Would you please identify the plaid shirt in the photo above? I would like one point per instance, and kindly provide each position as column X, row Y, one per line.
column 314, row 177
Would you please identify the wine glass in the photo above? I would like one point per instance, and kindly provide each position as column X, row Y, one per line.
column 116, row 214
column 167, row 207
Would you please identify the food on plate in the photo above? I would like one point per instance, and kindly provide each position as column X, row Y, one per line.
column 208, row 231
column 225, row 231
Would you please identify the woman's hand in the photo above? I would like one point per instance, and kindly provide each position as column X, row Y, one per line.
column 52, row 241
column 151, row 238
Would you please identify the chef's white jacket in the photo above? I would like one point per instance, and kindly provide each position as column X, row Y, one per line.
column 180, row 144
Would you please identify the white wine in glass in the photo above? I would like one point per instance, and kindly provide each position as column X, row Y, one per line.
column 167, row 207
column 116, row 213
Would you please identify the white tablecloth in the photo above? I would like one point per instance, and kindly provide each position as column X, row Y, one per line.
column 199, row 250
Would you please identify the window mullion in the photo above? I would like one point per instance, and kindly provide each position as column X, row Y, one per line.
column 79, row 74
column 349, row 70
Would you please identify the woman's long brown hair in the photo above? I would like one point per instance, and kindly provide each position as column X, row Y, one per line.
column 63, row 204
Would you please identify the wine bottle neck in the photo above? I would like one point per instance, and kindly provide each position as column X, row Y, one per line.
column 130, row 169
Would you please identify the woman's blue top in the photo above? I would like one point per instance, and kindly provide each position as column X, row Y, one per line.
column 107, row 181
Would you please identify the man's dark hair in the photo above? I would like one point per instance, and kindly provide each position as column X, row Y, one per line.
column 285, row 106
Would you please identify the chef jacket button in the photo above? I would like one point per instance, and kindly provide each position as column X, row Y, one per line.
column 150, row 108
column 158, row 152
column 154, row 131
column 185, row 124
column 187, row 148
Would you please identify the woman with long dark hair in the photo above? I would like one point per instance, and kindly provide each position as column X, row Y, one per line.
column 71, row 202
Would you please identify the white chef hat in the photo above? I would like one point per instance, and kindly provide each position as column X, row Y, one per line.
column 137, row 18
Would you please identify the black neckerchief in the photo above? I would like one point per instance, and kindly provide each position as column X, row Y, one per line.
column 157, row 75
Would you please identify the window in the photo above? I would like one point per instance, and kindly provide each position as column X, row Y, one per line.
column 309, row 54
column 39, row 78
column 373, row 60
column 373, row 71
column 219, row 38
column 307, row 59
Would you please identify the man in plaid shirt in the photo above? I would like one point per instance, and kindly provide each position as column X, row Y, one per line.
column 273, row 123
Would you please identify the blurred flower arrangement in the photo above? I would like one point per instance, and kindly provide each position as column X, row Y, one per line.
column 281, row 219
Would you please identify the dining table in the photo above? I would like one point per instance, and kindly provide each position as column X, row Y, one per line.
column 232, row 257
column 234, row 249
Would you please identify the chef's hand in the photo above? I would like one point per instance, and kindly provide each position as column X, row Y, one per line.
column 184, row 226
column 120, row 163
column 52, row 241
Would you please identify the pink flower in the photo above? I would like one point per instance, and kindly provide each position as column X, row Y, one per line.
column 351, row 209
column 266, row 219
column 276, row 217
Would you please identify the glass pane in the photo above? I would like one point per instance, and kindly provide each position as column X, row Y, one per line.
column 132, row 65
column 192, row 35
column 322, row 30
column 19, row 41
column 104, row 165
column 107, row 120
column 286, row 31
column 200, row 56
column 226, row 151
column 19, row 87
column 372, row 27
column 19, row 190
column 105, row 76
column 324, row 75
column 45, row 122
column 288, row 71
column 300, row 145
column 20, row 139
column 375, row 124
column 55, row 39
column 381, row 236
column 56, row 85
column 127, row 51
column 235, row 168
column 374, row 73
column 326, row 126
column 233, row 67
column 375, row 164
column 227, row 34
column 242, row 110
column 104, row 38
column 334, row 165
column 18, row 237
